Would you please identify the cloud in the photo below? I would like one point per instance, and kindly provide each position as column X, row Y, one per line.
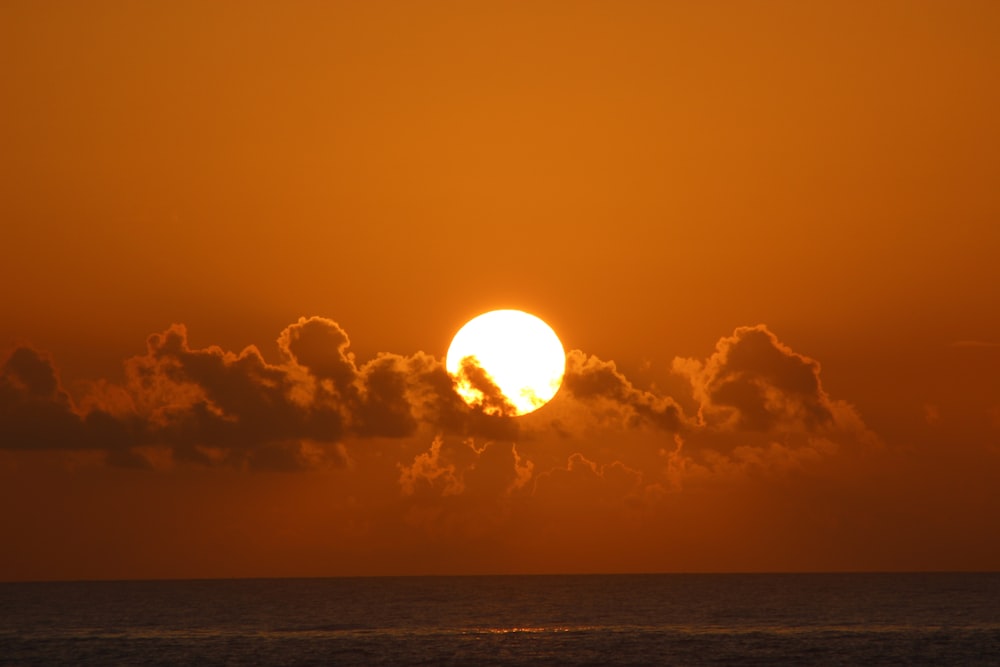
column 581, row 478
column 407, row 465
column 319, row 407
column 37, row 413
column 430, row 470
column 762, row 410
column 216, row 407
column 34, row 409
column 476, row 383
column 754, row 382
column 599, row 383
column 212, row 406
column 320, row 346
column 476, row 470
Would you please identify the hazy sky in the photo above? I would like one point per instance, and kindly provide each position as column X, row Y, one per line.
column 238, row 238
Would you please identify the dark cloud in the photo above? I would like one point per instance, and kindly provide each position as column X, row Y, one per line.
column 320, row 346
column 34, row 410
column 385, row 406
column 212, row 406
column 229, row 399
column 37, row 413
column 30, row 372
column 762, row 412
column 754, row 382
column 591, row 380
column 399, row 394
column 488, row 395
column 757, row 400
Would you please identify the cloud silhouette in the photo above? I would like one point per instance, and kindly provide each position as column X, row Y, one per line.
column 36, row 413
column 463, row 466
column 762, row 410
column 34, row 409
column 754, row 382
column 486, row 394
column 408, row 465
column 211, row 407
column 598, row 382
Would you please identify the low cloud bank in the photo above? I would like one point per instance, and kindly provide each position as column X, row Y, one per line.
column 756, row 399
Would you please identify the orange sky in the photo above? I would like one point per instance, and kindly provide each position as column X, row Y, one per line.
column 769, row 232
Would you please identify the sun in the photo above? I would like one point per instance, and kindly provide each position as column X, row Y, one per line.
column 517, row 352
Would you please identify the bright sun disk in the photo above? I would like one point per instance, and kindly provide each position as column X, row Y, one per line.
column 519, row 352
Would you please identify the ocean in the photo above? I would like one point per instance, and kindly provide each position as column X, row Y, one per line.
column 668, row 619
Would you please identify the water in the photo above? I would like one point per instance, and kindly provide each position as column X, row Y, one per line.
column 823, row 619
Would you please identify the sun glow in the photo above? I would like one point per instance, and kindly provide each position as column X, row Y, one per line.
column 519, row 353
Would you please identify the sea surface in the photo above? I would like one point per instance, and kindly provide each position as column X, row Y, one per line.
column 673, row 619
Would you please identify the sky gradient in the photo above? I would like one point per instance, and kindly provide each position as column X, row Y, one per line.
column 239, row 237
